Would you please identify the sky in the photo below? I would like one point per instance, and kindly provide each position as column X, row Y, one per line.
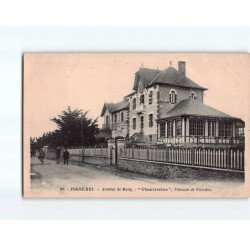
column 53, row 81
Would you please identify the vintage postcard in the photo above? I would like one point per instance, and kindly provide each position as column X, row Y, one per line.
column 136, row 125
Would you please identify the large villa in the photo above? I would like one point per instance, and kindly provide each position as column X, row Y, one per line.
column 166, row 107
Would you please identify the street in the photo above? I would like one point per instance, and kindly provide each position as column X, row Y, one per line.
column 64, row 178
column 52, row 175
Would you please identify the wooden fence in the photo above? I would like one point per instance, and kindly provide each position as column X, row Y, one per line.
column 232, row 159
column 89, row 151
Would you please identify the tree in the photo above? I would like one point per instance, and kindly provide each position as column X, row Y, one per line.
column 75, row 128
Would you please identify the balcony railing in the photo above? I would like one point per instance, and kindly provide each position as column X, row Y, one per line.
column 204, row 140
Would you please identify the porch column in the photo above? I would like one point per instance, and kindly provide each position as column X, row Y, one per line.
column 166, row 129
column 187, row 129
column 234, row 129
column 158, row 131
column 174, row 128
column 216, row 128
column 206, row 128
column 183, row 130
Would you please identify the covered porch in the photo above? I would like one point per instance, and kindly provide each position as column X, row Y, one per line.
column 192, row 122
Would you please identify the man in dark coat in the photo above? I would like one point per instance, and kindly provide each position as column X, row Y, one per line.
column 66, row 156
column 58, row 155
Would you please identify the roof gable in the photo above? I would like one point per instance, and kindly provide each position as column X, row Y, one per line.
column 120, row 106
column 144, row 75
column 114, row 107
column 108, row 106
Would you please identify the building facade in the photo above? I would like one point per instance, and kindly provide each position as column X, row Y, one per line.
column 116, row 120
column 167, row 107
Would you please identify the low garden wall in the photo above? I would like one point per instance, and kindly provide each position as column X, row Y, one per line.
column 94, row 160
column 94, row 156
column 172, row 171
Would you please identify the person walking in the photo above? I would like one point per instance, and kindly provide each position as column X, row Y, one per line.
column 41, row 155
column 66, row 156
column 58, row 155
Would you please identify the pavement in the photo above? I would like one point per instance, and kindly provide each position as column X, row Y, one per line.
column 59, row 177
column 52, row 175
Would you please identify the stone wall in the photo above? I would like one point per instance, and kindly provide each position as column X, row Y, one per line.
column 93, row 160
column 171, row 171
column 97, row 160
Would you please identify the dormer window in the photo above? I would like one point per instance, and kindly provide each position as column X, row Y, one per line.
column 140, row 87
column 172, row 96
column 141, row 99
column 193, row 95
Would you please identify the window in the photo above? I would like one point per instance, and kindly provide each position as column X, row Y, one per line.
column 170, row 129
column 196, row 127
column 193, row 95
column 225, row 129
column 192, row 127
column 162, row 130
column 134, row 103
column 142, row 122
column 228, row 129
column 150, row 138
column 178, row 128
column 150, row 97
column 150, row 121
column 115, row 117
column 211, row 128
column 173, row 96
column 239, row 131
column 107, row 120
column 134, row 123
column 122, row 117
column 141, row 99
column 200, row 127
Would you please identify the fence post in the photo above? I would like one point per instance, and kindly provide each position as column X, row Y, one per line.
column 192, row 156
column 167, row 156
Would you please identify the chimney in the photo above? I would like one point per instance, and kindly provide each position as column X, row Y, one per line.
column 182, row 68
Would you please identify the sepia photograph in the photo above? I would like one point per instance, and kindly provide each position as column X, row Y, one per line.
column 135, row 125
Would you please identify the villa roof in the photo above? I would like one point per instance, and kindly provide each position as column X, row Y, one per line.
column 171, row 76
column 120, row 106
column 192, row 107
column 115, row 107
